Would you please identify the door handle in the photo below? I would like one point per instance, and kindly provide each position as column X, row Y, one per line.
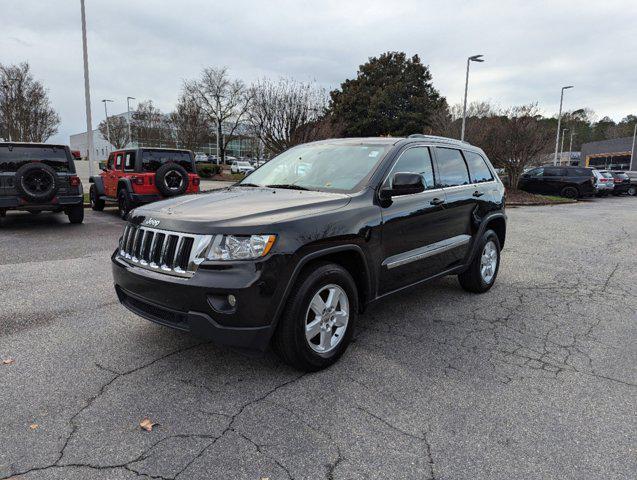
column 437, row 201
column 477, row 193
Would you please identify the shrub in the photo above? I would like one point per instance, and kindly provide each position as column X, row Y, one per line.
column 207, row 171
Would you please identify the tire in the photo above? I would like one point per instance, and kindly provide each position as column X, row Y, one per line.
column 473, row 279
column 96, row 203
column 123, row 203
column 570, row 192
column 290, row 341
column 76, row 214
column 171, row 179
column 37, row 182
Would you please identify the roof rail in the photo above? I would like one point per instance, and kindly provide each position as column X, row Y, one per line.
column 438, row 138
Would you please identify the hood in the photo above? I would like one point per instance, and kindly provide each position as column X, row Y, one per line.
column 238, row 207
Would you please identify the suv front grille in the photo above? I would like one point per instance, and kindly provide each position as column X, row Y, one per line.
column 164, row 251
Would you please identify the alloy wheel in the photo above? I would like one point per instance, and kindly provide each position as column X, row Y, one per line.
column 488, row 262
column 326, row 318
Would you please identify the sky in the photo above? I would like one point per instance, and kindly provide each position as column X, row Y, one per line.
column 147, row 48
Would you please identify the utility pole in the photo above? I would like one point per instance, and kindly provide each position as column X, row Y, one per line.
column 128, row 99
column 87, row 94
column 474, row 58
column 633, row 166
column 108, row 129
column 559, row 123
column 570, row 146
column 562, row 146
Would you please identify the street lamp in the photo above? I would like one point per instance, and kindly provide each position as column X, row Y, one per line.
column 633, row 165
column 562, row 145
column 474, row 58
column 87, row 93
column 108, row 130
column 570, row 145
column 559, row 123
column 128, row 99
column 6, row 89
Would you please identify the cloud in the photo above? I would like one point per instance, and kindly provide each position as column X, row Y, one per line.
column 146, row 48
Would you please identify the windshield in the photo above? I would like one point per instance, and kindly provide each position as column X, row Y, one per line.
column 320, row 166
column 13, row 157
column 153, row 159
column 244, row 164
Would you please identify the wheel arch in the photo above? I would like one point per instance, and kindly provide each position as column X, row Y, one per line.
column 99, row 184
column 495, row 221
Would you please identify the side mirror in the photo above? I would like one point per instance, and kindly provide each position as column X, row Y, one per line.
column 404, row 184
column 102, row 166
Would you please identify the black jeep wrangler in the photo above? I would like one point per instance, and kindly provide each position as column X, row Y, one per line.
column 36, row 177
column 292, row 254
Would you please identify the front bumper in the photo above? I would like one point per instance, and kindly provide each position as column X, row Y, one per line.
column 198, row 304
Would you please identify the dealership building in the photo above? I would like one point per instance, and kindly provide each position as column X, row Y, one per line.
column 615, row 154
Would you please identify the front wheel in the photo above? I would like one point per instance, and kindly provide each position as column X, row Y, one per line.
column 123, row 204
column 319, row 319
column 632, row 190
column 483, row 270
column 97, row 204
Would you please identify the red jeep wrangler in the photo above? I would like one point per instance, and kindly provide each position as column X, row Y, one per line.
column 142, row 175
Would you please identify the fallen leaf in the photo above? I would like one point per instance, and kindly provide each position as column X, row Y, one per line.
column 34, row 426
column 8, row 361
column 147, row 424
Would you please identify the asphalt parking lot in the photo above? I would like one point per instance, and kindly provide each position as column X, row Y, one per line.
column 535, row 379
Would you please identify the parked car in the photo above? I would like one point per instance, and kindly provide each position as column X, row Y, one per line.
column 632, row 190
column 230, row 160
column 37, row 177
column 201, row 158
column 241, row 167
column 565, row 181
column 292, row 260
column 604, row 183
column 622, row 182
column 137, row 176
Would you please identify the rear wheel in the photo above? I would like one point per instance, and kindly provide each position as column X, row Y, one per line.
column 319, row 319
column 632, row 190
column 481, row 274
column 570, row 192
column 123, row 204
column 76, row 214
column 96, row 203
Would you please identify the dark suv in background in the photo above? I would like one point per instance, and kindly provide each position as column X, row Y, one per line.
column 38, row 177
column 565, row 181
column 293, row 253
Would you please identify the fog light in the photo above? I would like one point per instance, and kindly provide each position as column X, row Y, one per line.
column 232, row 301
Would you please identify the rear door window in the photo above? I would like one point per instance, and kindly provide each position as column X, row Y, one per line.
column 554, row 172
column 478, row 168
column 415, row 160
column 453, row 169
column 129, row 162
column 153, row 159
column 12, row 157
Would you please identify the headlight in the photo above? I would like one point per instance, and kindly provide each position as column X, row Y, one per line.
column 234, row 247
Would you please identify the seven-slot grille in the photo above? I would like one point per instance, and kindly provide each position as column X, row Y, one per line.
column 164, row 251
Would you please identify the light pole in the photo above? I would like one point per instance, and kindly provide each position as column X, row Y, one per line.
column 570, row 145
column 108, row 129
column 559, row 123
column 474, row 58
column 6, row 89
column 562, row 145
column 632, row 150
column 128, row 99
column 87, row 94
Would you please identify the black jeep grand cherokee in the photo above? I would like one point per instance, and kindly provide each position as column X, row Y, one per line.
column 294, row 252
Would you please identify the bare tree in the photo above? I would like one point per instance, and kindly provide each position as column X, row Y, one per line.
column 514, row 139
column 150, row 127
column 26, row 114
column 118, row 129
column 192, row 125
column 224, row 101
column 285, row 113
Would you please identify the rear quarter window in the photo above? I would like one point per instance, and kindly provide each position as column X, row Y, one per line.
column 12, row 157
column 478, row 169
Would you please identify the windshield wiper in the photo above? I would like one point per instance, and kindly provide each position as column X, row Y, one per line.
column 248, row 185
column 289, row 186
